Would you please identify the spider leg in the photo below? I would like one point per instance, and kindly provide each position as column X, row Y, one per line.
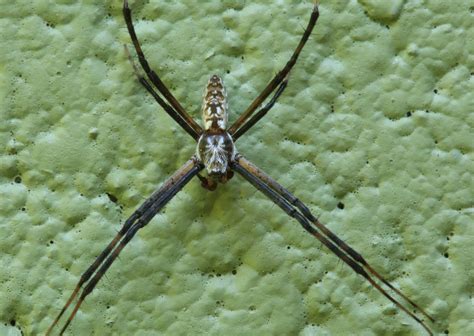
column 280, row 76
column 332, row 236
column 261, row 113
column 296, row 209
column 171, row 112
column 154, row 78
column 137, row 220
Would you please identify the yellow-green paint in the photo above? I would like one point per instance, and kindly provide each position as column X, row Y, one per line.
column 377, row 116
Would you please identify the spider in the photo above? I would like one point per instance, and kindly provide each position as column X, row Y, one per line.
column 217, row 155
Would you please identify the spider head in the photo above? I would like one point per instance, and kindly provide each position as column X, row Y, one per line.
column 214, row 106
column 216, row 151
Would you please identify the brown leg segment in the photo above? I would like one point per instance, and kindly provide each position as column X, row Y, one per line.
column 335, row 239
column 154, row 78
column 279, row 77
column 296, row 209
column 171, row 112
column 262, row 112
column 137, row 220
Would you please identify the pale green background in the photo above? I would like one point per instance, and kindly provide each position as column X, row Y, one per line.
column 75, row 125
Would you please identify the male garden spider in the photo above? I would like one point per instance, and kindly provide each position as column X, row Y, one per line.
column 216, row 153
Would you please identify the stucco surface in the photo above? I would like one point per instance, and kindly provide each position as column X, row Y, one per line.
column 374, row 134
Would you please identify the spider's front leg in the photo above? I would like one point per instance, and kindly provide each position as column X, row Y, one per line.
column 296, row 209
column 141, row 217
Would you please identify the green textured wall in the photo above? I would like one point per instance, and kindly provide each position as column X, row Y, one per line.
column 378, row 116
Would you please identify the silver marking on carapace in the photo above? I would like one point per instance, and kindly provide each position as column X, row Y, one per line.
column 214, row 106
column 216, row 151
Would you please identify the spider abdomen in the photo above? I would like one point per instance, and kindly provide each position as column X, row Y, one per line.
column 216, row 150
column 214, row 106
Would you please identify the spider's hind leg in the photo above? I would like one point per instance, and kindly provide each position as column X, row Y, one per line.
column 277, row 83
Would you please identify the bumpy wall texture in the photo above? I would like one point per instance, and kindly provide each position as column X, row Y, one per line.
column 374, row 133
